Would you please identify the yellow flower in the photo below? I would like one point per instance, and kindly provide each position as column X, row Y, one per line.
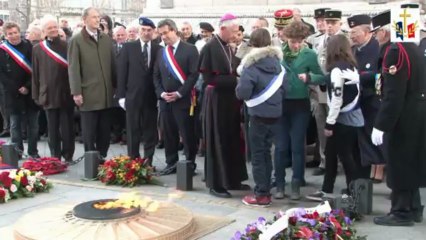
column 21, row 173
column 18, row 178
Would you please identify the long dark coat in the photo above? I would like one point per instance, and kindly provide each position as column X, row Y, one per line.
column 402, row 116
column 50, row 85
column 225, row 165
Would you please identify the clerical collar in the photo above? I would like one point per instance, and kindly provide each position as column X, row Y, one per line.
column 221, row 40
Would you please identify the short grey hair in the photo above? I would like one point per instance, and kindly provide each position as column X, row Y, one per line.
column 168, row 22
column 229, row 23
column 87, row 10
column 47, row 19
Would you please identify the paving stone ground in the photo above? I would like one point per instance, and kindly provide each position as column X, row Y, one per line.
column 70, row 189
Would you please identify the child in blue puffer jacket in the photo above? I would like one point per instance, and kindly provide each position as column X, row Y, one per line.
column 261, row 86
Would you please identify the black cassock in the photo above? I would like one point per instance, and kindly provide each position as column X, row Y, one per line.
column 224, row 163
column 402, row 116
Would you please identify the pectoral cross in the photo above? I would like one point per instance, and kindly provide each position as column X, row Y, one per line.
column 405, row 16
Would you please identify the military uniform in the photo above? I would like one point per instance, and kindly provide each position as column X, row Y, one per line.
column 402, row 117
column 283, row 17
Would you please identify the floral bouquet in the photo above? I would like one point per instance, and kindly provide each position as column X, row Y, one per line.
column 47, row 165
column 301, row 224
column 125, row 171
column 18, row 183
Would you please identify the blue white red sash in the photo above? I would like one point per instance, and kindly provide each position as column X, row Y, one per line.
column 52, row 54
column 17, row 56
column 269, row 90
column 172, row 64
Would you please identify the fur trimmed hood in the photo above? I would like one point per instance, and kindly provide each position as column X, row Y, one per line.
column 257, row 54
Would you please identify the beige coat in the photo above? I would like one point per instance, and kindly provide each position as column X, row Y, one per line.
column 92, row 70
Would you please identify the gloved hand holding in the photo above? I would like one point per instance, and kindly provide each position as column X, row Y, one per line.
column 377, row 137
column 122, row 103
column 351, row 75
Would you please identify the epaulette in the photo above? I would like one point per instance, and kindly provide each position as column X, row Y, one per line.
column 319, row 35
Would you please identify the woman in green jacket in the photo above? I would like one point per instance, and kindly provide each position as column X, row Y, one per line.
column 302, row 69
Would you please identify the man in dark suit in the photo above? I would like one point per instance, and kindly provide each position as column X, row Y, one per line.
column 175, row 75
column 136, row 90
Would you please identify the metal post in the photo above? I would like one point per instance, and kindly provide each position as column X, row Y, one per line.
column 184, row 174
column 10, row 155
column 91, row 164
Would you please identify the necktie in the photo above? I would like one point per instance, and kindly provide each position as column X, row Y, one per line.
column 145, row 55
column 172, row 49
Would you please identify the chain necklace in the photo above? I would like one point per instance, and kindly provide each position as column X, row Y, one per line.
column 228, row 57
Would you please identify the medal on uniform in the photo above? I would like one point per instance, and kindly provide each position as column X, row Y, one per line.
column 392, row 70
column 378, row 84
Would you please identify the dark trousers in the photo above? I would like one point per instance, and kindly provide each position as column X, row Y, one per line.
column 141, row 120
column 4, row 110
column 260, row 137
column 96, row 130
column 341, row 146
column 405, row 203
column 61, row 132
column 42, row 122
column 178, row 121
column 29, row 120
column 118, row 117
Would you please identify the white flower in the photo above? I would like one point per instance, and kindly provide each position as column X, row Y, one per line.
column 12, row 174
column 31, row 180
column 29, row 188
column 13, row 188
column 38, row 175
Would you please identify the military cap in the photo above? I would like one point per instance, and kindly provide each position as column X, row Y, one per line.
column 283, row 17
column 206, row 26
column 117, row 24
column 320, row 12
column 361, row 19
column 333, row 15
column 146, row 22
column 380, row 20
column 410, row 5
column 241, row 28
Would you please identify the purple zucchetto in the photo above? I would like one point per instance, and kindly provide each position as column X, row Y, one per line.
column 227, row 17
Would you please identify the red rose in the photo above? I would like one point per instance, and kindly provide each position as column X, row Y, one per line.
column 316, row 215
column 42, row 181
column 2, row 193
column 6, row 181
column 292, row 220
column 24, row 181
column 110, row 176
column 348, row 233
column 129, row 175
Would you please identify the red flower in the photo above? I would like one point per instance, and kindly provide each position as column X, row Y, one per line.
column 129, row 175
column 5, row 180
column 110, row 176
column 336, row 225
column 348, row 233
column 292, row 220
column 2, row 193
column 304, row 233
column 42, row 181
column 24, row 181
column 316, row 215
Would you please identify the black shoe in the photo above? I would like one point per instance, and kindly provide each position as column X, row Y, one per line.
column 160, row 145
column 5, row 134
column 418, row 215
column 318, row 172
column 221, row 193
column 392, row 220
column 313, row 164
column 170, row 169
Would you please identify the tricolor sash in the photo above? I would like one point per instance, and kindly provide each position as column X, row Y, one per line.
column 17, row 56
column 269, row 90
column 54, row 55
column 172, row 65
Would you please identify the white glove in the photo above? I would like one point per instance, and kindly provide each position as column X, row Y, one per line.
column 377, row 137
column 122, row 103
column 352, row 75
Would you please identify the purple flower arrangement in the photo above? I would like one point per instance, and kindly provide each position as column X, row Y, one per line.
column 333, row 225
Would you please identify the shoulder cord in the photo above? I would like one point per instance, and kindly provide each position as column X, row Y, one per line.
column 402, row 56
